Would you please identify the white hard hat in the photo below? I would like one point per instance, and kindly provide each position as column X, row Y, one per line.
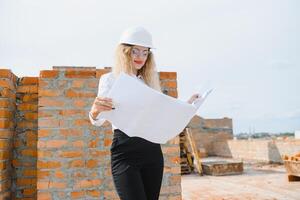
column 137, row 36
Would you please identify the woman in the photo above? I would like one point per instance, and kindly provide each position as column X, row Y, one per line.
column 136, row 163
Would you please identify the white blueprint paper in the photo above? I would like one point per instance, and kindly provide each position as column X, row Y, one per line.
column 144, row 112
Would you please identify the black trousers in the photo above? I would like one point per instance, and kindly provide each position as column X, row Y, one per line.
column 137, row 167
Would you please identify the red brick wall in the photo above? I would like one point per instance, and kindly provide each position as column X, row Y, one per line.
column 25, row 140
column 7, row 123
column 73, row 156
column 48, row 147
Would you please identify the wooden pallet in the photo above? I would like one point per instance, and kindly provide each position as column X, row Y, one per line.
column 293, row 170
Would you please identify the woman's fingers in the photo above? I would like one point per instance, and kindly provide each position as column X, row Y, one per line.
column 101, row 108
column 104, row 101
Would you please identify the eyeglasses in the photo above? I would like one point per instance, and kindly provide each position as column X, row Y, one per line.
column 137, row 52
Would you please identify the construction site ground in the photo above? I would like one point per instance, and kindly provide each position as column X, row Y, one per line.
column 259, row 181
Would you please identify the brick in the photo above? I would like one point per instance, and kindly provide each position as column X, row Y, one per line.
column 59, row 174
column 92, row 163
column 58, row 185
column 28, row 81
column 51, row 123
column 6, row 114
column 27, row 106
column 5, row 92
column 94, row 143
column 77, row 194
column 29, row 152
column 7, row 84
column 78, row 144
column 5, row 185
column 3, row 165
column 80, row 74
column 93, row 193
column 72, row 112
column 107, row 142
column 29, row 172
column 6, row 133
column 42, row 185
column 98, row 153
column 43, row 133
column 82, row 122
column 71, row 132
column 30, row 98
column 51, row 102
column 78, row 83
column 48, row 164
column 4, row 103
column 71, row 154
column 56, row 143
column 100, row 72
column 4, row 73
column 173, row 93
column 26, row 181
column 49, row 74
column 79, row 174
column 44, row 196
column 80, row 103
column 31, row 116
column 6, row 124
column 76, row 163
column 26, row 124
column 110, row 194
column 167, row 75
column 93, row 83
column 49, row 92
column 22, row 163
column 47, row 113
column 44, row 83
column 44, row 154
column 29, row 191
column 71, row 93
column 87, row 183
column 4, row 155
column 43, row 174
column 27, row 89
column 169, row 84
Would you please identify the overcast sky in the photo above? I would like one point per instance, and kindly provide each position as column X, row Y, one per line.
column 247, row 50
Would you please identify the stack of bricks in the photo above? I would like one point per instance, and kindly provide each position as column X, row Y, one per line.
column 7, row 123
column 57, row 153
column 171, row 186
column 25, row 139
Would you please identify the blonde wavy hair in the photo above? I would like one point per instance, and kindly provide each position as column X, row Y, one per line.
column 123, row 64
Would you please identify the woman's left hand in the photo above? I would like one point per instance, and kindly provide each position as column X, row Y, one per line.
column 193, row 98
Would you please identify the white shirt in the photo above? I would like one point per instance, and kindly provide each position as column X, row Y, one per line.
column 105, row 83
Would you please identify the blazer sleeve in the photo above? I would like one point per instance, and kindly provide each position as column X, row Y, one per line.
column 103, row 89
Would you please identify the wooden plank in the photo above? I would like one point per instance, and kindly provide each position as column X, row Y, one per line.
column 191, row 140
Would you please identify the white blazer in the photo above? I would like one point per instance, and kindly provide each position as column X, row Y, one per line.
column 105, row 83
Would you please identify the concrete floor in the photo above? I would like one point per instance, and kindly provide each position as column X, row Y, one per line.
column 258, row 182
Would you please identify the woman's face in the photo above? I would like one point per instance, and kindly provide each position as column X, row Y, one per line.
column 139, row 55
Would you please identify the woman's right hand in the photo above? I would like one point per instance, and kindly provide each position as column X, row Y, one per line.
column 101, row 104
